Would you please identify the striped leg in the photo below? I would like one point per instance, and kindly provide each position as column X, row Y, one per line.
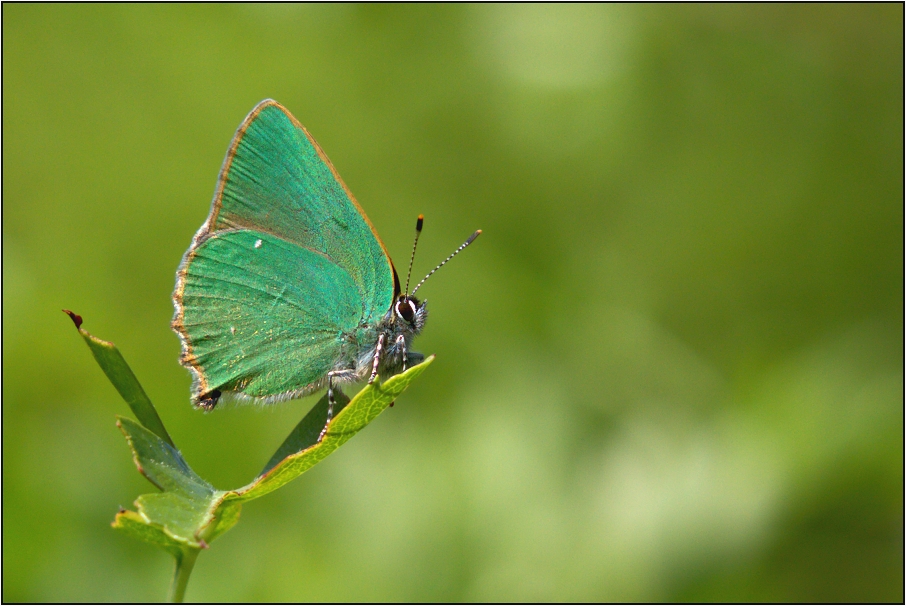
column 401, row 343
column 377, row 357
column 330, row 401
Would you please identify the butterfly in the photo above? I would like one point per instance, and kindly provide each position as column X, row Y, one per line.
column 286, row 287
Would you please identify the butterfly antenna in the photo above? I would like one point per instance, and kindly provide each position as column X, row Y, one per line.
column 444, row 262
column 418, row 231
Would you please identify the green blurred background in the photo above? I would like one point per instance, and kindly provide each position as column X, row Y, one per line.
column 671, row 369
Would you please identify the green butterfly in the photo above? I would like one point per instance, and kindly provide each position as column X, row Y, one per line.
column 287, row 287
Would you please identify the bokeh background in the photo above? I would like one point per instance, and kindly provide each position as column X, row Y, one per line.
column 671, row 369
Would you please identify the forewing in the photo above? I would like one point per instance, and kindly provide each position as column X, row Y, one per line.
column 262, row 316
column 276, row 179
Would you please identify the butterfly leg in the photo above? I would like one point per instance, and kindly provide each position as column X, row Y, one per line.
column 377, row 357
column 331, row 401
column 401, row 345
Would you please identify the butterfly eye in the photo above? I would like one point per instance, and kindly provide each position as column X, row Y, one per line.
column 406, row 308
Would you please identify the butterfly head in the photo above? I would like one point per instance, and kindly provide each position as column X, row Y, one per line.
column 407, row 310
column 410, row 312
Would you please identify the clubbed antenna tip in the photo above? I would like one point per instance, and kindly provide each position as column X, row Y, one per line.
column 419, row 223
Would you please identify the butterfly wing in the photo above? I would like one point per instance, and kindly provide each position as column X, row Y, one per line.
column 285, row 264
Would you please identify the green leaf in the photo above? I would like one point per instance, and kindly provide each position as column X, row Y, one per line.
column 137, row 527
column 187, row 509
column 190, row 512
column 301, row 450
column 117, row 370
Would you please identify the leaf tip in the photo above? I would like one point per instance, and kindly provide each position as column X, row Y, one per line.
column 76, row 318
column 118, row 519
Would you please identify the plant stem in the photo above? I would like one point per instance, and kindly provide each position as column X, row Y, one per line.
column 184, row 565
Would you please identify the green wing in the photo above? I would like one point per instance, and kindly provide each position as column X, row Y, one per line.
column 264, row 316
column 266, row 321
